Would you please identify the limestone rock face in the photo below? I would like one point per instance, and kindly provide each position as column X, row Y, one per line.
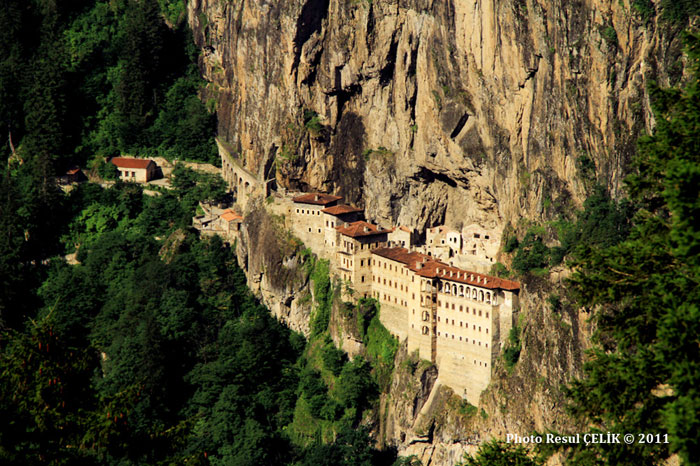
column 428, row 112
column 434, row 110
column 274, row 269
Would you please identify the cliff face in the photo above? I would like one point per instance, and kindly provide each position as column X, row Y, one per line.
column 271, row 260
column 426, row 111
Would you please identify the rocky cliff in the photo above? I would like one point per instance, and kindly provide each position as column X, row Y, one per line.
column 426, row 111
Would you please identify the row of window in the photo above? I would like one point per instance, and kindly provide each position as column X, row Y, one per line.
column 395, row 284
column 391, row 267
column 461, row 308
column 387, row 298
column 466, row 340
column 125, row 174
column 466, row 324
column 309, row 212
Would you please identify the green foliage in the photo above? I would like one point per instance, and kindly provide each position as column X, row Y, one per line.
column 603, row 222
column 411, row 460
column 497, row 453
column 512, row 244
column 467, row 409
column 500, row 270
column 644, row 8
column 173, row 10
column 643, row 374
column 679, row 11
column 511, row 353
column 531, row 253
column 333, row 358
column 355, row 387
column 586, row 170
column 105, row 78
column 107, row 170
column 192, row 186
column 312, row 122
column 381, row 349
column 554, row 302
column 323, row 296
column 608, row 33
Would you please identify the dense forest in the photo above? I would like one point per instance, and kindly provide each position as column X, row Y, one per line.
column 151, row 349
column 127, row 339
column 92, row 78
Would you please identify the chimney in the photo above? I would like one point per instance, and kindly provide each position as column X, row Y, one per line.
column 419, row 265
column 316, row 197
column 366, row 229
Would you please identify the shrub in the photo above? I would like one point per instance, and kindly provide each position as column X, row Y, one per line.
column 512, row 352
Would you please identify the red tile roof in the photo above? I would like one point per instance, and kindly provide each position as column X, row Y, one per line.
column 230, row 215
column 360, row 228
column 436, row 269
column 341, row 209
column 124, row 162
column 428, row 267
column 316, row 199
column 401, row 255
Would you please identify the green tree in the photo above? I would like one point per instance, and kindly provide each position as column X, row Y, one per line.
column 644, row 373
column 497, row 453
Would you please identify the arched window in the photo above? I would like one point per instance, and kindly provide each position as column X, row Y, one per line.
column 481, row 295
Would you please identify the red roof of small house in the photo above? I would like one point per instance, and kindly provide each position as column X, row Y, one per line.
column 341, row 209
column 230, row 215
column 360, row 228
column 124, row 162
column 316, row 199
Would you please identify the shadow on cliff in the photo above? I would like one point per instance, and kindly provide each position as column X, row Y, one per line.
column 348, row 163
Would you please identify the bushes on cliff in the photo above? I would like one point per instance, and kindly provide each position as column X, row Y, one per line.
column 511, row 353
column 603, row 222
